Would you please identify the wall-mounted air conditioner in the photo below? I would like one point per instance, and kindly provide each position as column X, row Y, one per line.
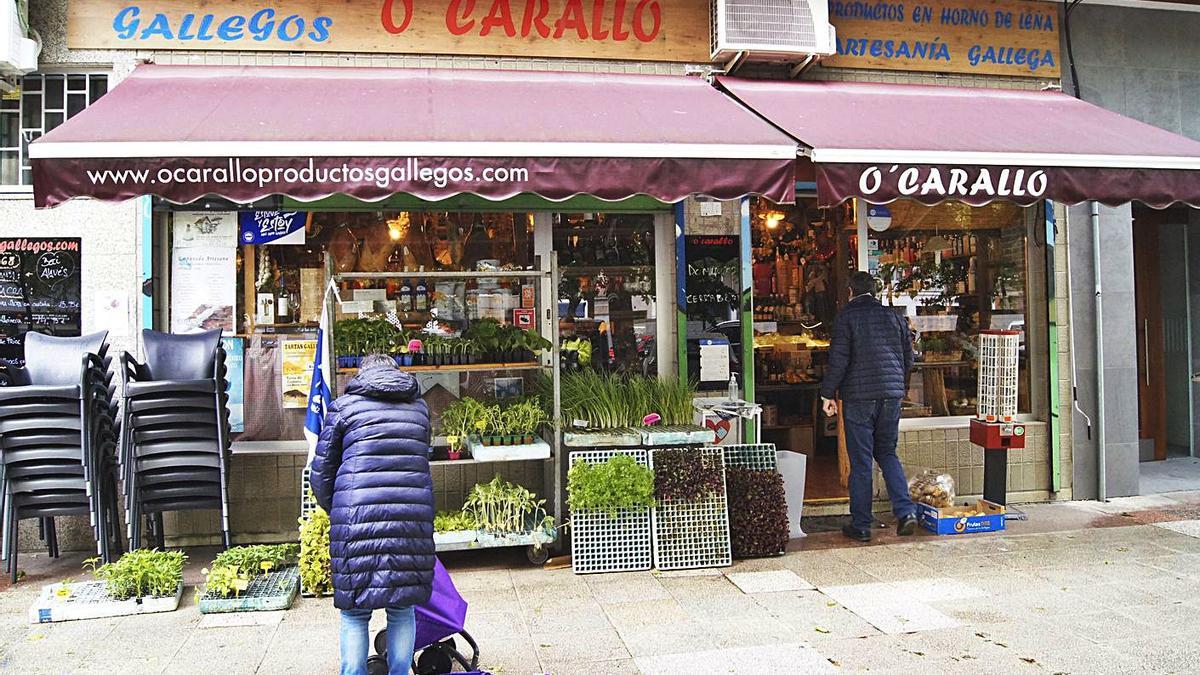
column 777, row 30
column 18, row 54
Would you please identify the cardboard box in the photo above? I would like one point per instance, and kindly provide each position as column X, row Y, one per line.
column 800, row 439
column 953, row 520
column 369, row 295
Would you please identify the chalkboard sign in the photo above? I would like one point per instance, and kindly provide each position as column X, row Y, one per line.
column 713, row 277
column 39, row 290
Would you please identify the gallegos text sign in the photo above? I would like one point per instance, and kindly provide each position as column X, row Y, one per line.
column 978, row 37
column 644, row 30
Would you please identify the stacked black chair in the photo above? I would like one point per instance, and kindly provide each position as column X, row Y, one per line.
column 58, row 440
column 175, row 430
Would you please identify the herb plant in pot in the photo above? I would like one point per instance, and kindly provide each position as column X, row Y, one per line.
column 454, row 527
column 501, row 508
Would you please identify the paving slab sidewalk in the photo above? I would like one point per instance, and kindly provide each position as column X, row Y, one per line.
column 1114, row 599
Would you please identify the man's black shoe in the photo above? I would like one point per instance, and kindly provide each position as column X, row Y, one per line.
column 856, row 534
column 907, row 526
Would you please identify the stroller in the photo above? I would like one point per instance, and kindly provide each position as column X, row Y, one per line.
column 438, row 621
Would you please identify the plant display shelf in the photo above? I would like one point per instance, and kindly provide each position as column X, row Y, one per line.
column 533, row 538
column 692, row 534
column 543, row 276
column 603, row 543
column 268, row 592
column 91, row 600
column 640, row 437
column 463, row 368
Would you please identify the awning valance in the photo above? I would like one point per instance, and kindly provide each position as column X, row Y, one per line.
column 883, row 142
column 244, row 133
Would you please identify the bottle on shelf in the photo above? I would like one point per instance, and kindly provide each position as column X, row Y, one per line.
column 421, row 294
column 405, row 303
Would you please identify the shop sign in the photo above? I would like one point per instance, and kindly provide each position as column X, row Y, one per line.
column 40, row 290
column 272, row 227
column 979, row 37
column 932, row 184
column 644, row 30
column 298, row 357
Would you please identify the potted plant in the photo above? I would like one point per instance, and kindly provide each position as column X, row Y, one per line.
column 484, row 334
column 316, row 572
column 416, row 356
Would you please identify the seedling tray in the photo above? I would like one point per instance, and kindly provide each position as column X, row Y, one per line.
column 538, row 449
column 488, row 540
column 690, row 534
column 607, row 438
column 603, row 543
column 91, row 600
column 269, row 592
column 681, row 434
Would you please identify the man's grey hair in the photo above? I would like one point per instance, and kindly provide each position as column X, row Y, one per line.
column 377, row 361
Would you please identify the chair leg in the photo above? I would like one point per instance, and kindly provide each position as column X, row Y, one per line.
column 51, row 538
column 160, row 537
column 14, row 543
column 42, row 529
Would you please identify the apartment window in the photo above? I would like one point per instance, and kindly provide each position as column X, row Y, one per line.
column 43, row 102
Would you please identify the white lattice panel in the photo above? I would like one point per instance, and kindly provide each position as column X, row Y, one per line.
column 692, row 534
column 753, row 456
column 604, row 543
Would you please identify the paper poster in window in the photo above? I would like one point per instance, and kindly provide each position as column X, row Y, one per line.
column 197, row 229
column 235, row 364
column 203, row 289
column 298, row 358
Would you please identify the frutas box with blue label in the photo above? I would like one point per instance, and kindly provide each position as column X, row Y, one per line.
column 984, row 516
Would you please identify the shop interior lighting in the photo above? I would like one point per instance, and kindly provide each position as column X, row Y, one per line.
column 773, row 219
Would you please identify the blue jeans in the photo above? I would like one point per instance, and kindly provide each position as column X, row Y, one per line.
column 356, row 640
column 872, row 430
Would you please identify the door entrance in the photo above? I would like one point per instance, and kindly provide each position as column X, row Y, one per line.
column 1161, row 250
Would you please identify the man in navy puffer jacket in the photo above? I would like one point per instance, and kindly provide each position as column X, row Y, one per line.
column 869, row 361
column 371, row 474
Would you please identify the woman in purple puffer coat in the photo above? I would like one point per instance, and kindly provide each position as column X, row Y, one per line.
column 371, row 474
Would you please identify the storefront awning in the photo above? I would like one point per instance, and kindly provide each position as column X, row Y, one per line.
column 244, row 133
column 885, row 142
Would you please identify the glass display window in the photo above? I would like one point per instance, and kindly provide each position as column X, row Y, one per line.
column 608, row 308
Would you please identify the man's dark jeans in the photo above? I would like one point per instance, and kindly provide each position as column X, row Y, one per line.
column 872, row 429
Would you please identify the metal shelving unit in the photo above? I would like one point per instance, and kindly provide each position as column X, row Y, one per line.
column 545, row 273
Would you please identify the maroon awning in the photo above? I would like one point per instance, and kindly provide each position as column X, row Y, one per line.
column 244, row 133
column 883, row 142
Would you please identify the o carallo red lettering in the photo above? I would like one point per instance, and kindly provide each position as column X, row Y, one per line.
column 596, row 20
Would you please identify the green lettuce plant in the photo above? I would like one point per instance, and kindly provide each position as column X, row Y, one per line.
column 619, row 483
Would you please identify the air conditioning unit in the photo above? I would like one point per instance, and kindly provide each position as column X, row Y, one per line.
column 18, row 54
column 775, row 30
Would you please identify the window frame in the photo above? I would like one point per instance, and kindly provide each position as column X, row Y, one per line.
column 19, row 188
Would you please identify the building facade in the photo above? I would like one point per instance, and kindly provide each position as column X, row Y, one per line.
column 1027, row 267
column 1141, row 62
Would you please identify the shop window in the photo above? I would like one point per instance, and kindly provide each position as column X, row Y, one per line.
column 607, row 291
column 43, row 102
column 277, row 291
column 954, row 270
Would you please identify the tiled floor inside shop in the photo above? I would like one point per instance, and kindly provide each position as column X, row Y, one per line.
column 1078, row 588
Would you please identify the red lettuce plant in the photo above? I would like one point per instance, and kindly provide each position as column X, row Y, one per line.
column 758, row 520
column 686, row 475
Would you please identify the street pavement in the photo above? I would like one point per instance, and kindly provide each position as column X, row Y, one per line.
column 1096, row 595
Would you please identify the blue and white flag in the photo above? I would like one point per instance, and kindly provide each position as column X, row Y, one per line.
column 318, row 391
